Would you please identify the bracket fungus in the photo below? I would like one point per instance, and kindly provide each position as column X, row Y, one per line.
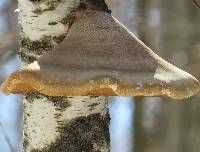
column 99, row 56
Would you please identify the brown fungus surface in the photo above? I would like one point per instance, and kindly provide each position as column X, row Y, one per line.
column 99, row 56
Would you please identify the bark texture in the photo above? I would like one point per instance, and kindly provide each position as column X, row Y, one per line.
column 55, row 124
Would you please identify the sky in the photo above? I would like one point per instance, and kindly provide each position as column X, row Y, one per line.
column 10, row 113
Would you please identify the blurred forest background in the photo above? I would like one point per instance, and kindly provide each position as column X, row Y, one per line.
column 172, row 29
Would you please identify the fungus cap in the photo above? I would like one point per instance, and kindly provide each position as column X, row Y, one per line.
column 99, row 56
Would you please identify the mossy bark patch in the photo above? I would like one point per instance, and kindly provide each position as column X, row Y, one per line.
column 88, row 134
column 38, row 46
column 80, row 124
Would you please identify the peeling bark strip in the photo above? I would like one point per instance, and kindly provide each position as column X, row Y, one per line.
column 55, row 124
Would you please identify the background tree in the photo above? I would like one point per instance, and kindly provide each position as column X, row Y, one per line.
column 170, row 28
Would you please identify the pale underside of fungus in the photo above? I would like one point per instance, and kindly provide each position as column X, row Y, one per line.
column 99, row 56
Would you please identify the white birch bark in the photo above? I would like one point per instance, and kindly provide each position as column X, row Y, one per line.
column 55, row 124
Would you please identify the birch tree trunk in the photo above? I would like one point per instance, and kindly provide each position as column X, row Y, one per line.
column 57, row 124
